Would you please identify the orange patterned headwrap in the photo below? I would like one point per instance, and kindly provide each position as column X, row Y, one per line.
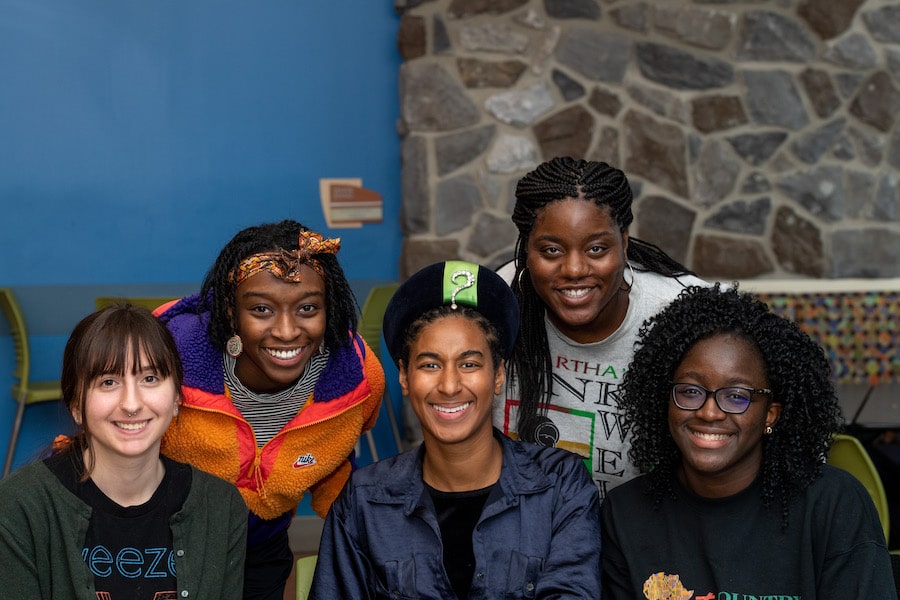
column 285, row 264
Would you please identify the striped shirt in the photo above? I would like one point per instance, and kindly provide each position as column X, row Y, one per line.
column 269, row 413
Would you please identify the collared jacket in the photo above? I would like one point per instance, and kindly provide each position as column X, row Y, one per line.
column 311, row 452
column 539, row 537
column 43, row 527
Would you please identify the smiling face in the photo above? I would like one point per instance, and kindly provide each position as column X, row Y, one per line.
column 451, row 381
column 128, row 413
column 722, row 452
column 281, row 325
column 576, row 260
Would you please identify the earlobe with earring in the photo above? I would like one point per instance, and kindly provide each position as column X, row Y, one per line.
column 769, row 430
column 234, row 346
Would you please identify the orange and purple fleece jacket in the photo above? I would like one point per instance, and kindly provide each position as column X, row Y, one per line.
column 311, row 452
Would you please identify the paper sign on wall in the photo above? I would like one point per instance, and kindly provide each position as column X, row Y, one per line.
column 346, row 203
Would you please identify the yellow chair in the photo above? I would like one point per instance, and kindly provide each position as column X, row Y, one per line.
column 848, row 453
column 370, row 330
column 151, row 303
column 24, row 391
column 306, row 566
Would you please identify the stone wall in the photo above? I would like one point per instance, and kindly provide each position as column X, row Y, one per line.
column 760, row 137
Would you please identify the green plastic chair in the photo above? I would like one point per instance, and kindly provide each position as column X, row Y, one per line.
column 849, row 454
column 306, row 566
column 24, row 391
column 369, row 329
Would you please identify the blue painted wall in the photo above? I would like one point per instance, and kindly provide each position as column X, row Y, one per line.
column 137, row 137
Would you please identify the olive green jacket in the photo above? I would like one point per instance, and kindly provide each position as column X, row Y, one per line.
column 43, row 527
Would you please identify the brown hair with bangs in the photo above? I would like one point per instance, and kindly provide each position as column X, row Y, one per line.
column 103, row 343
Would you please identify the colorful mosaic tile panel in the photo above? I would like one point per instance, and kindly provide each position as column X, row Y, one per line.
column 857, row 330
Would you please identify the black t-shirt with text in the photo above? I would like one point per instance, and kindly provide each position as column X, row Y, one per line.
column 129, row 550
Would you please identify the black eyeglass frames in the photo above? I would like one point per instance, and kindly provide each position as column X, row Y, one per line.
column 733, row 400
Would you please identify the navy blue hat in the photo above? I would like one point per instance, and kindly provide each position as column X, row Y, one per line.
column 452, row 283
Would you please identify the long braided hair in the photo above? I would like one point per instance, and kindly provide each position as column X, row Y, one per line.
column 797, row 370
column 555, row 180
column 218, row 295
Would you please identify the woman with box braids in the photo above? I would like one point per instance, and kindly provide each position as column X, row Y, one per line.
column 580, row 311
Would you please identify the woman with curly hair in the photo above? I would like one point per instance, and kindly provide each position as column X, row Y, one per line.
column 278, row 385
column 584, row 287
column 731, row 410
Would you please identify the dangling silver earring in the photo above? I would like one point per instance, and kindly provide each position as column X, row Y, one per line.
column 234, row 346
column 769, row 430
column 322, row 348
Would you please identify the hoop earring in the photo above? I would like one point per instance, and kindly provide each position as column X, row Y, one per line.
column 519, row 279
column 769, row 430
column 234, row 346
column 629, row 284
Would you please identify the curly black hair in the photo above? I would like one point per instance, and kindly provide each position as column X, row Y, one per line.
column 218, row 294
column 797, row 370
column 558, row 179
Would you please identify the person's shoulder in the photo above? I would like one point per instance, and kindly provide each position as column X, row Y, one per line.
column 549, row 459
column 837, row 491
column 631, row 494
column 656, row 291
column 34, row 488
column 188, row 306
column 507, row 271
column 839, row 482
column 207, row 482
column 676, row 283
column 385, row 472
column 541, row 453
column 201, row 359
column 389, row 481
column 25, row 478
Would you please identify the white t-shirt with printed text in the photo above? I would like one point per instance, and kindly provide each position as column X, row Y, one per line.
column 584, row 415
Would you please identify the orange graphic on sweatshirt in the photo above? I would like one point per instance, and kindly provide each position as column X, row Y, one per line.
column 660, row 586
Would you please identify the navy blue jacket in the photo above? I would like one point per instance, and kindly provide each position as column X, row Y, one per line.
column 539, row 539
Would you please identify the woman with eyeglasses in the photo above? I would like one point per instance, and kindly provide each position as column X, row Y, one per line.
column 731, row 410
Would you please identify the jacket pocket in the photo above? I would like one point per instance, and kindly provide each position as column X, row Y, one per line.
column 399, row 580
column 522, row 578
